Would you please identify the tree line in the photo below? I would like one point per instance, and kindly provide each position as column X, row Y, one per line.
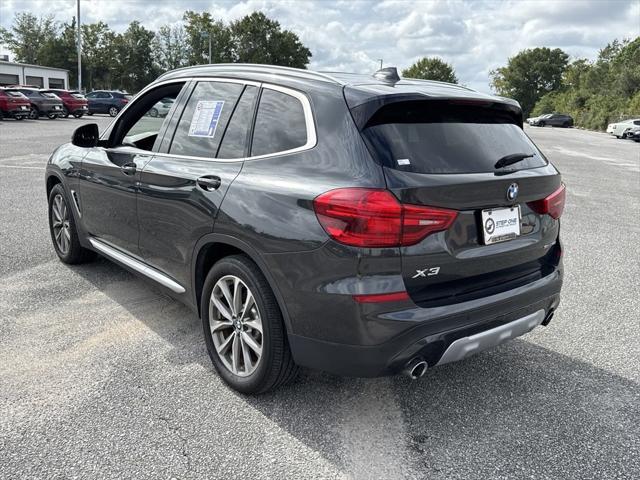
column 131, row 59
column 594, row 93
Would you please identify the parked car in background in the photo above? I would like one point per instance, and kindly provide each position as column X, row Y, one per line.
column 633, row 133
column 553, row 119
column 530, row 120
column 161, row 109
column 326, row 221
column 107, row 101
column 619, row 129
column 42, row 103
column 14, row 104
column 74, row 103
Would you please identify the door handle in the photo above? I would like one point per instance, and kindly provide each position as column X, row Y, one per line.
column 128, row 168
column 209, row 183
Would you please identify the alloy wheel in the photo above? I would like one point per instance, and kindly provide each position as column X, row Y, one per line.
column 60, row 224
column 236, row 325
column 113, row 111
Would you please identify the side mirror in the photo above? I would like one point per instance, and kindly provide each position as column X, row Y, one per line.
column 86, row 136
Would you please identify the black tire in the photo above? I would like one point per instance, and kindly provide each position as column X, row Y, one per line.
column 52, row 116
column 65, row 112
column 541, row 124
column 19, row 117
column 34, row 114
column 276, row 366
column 89, row 113
column 113, row 111
column 77, row 115
column 75, row 253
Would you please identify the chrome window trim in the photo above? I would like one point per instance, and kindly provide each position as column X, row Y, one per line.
column 312, row 138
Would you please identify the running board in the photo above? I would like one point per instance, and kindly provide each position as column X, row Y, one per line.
column 136, row 265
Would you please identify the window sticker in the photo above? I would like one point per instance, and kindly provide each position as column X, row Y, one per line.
column 404, row 161
column 205, row 118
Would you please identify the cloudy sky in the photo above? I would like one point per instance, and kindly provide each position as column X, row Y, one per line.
column 475, row 36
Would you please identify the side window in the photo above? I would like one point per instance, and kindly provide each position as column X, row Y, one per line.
column 144, row 119
column 234, row 141
column 280, row 124
column 204, row 119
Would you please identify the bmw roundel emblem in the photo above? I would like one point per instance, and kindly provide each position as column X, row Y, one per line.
column 512, row 191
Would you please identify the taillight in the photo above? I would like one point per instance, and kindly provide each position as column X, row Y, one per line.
column 124, row 100
column 365, row 217
column 382, row 297
column 552, row 205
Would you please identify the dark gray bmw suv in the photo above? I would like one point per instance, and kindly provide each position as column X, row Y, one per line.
column 362, row 225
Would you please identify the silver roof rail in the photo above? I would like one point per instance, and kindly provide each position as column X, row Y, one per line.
column 260, row 68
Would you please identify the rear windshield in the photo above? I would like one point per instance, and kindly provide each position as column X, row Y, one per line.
column 438, row 137
column 14, row 93
column 77, row 95
column 49, row 95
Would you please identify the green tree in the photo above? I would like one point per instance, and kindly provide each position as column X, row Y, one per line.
column 61, row 51
column 98, row 56
column 258, row 39
column 135, row 58
column 171, row 47
column 431, row 68
column 597, row 93
column 198, row 28
column 529, row 75
column 28, row 35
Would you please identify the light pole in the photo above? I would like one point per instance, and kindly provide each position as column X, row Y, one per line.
column 380, row 60
column 207, row 34
column 79, row 42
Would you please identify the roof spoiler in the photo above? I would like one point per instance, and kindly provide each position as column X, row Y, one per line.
column 363, row 111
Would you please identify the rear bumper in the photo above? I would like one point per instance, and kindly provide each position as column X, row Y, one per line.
column 77, row 109
column 48, row 109
column 17, row 113
column 432, row 333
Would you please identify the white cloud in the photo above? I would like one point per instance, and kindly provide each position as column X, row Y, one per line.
column 475, row 36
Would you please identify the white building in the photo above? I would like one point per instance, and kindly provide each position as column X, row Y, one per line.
column 12, row 73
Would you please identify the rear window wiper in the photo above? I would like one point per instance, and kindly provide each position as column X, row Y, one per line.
column 511, row 159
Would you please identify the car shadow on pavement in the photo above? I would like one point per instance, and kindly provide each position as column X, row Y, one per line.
column 517, row 410
column 512, row 412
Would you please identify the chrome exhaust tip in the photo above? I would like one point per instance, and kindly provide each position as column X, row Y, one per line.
column 548, row 317
column 416, row 368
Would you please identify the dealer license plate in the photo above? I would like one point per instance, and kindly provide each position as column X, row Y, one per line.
column 500, row 224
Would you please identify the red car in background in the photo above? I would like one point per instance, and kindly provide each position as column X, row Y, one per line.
column 74, row 102
column 14, row 104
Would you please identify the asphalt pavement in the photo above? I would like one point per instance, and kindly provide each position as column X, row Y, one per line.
column 102, row 376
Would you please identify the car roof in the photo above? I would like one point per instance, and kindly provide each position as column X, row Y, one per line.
column 363, row 87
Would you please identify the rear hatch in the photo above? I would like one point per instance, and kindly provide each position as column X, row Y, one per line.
column 50, row 102
column 17, row 101
column 76, row 100
column 443, row 153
